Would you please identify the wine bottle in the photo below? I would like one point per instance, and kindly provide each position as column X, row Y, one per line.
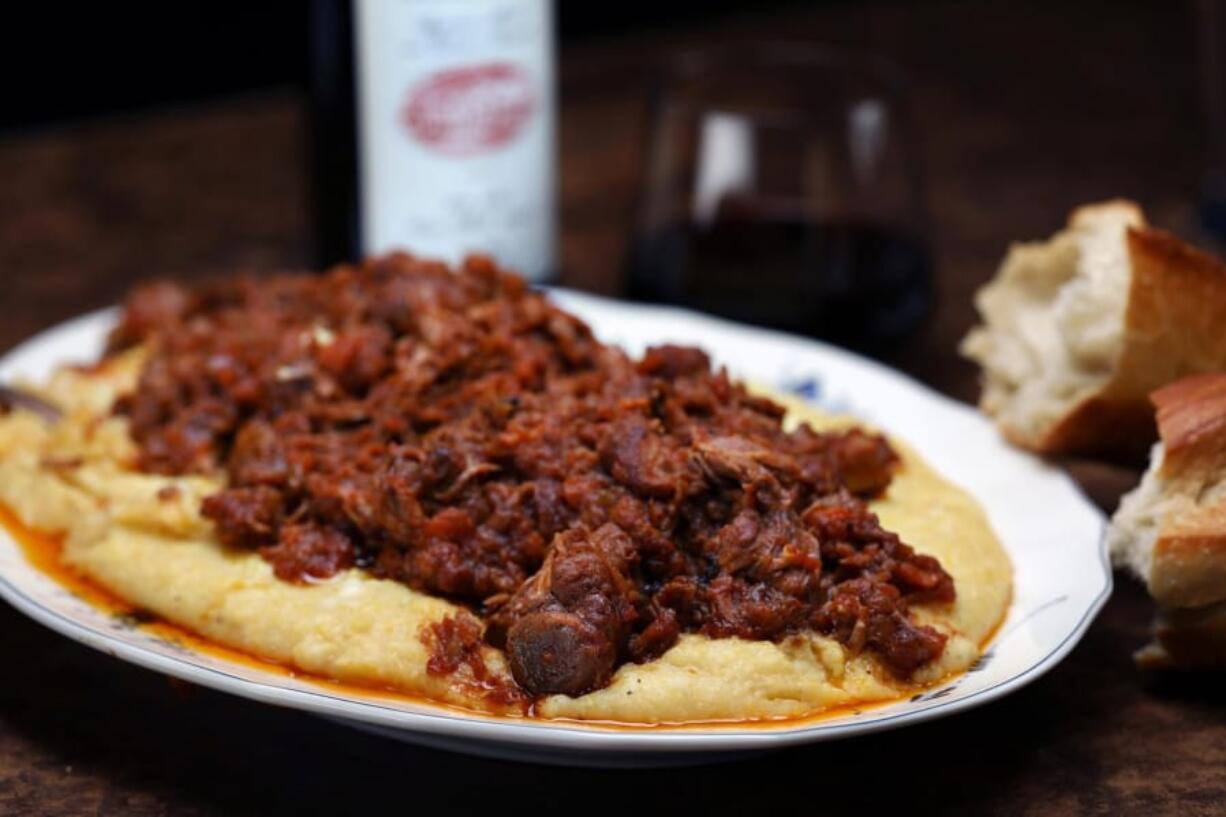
column 433, row 130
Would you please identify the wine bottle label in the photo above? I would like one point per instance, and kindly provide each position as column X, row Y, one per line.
column 456, row 129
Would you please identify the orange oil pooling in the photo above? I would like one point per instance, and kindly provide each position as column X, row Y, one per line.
column 44, row 552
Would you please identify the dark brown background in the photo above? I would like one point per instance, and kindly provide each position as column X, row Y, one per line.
column 1026, row 111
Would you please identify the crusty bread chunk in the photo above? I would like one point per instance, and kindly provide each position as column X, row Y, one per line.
column 1171, row 530
column 1187, row 638
column 1078, row 329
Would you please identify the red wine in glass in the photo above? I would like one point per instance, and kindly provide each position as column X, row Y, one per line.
column 782, row 189
column 855, row 283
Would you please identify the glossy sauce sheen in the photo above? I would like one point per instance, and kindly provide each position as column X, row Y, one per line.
column 43, row 552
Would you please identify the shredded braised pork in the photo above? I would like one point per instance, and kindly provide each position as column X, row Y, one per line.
column 455, row 431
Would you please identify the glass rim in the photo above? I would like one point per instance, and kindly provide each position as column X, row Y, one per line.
column 692, row 63
column 710, row 61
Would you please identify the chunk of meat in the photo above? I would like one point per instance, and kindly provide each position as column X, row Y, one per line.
column 357, row 356
column 750, row 610
column 742, row 459
column 642, row 458
column 455, row 645
column 671, row 362
column 871, row 615
column 304, row 552
column 865, row 462
column 149, row 307
column 258, row 456
column 565, row 629
column 554, row 651
column 245, row 517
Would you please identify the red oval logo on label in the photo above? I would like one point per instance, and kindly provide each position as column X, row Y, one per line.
column 463, row 111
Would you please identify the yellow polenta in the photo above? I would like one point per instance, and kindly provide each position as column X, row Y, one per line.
column 150, row 546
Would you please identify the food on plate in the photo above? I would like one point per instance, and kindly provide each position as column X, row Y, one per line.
column 1171, row 530
column 1079, row 329
column 404, row 475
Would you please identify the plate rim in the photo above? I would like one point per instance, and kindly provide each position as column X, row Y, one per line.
column 428, row 719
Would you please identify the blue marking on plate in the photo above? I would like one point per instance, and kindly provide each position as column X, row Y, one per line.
column 811, row 389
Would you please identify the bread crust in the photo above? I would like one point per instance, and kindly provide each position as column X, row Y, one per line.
column 1191, row 415
column 1187, row 639
column 1175, row 325
column 1189, row 555
column 1106, row 425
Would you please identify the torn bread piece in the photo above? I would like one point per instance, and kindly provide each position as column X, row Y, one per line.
column 1191, row 638
column 1171, row 530
column 1080, row 328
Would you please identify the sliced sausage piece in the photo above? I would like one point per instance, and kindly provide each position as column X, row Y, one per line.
column 566, row 628
column 558, row 652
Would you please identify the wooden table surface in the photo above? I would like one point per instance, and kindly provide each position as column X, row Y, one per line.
column 1024, row 113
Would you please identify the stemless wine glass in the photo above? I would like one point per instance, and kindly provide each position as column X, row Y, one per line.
column 782, row 189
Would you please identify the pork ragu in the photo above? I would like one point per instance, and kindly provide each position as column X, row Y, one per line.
column 455, row 431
